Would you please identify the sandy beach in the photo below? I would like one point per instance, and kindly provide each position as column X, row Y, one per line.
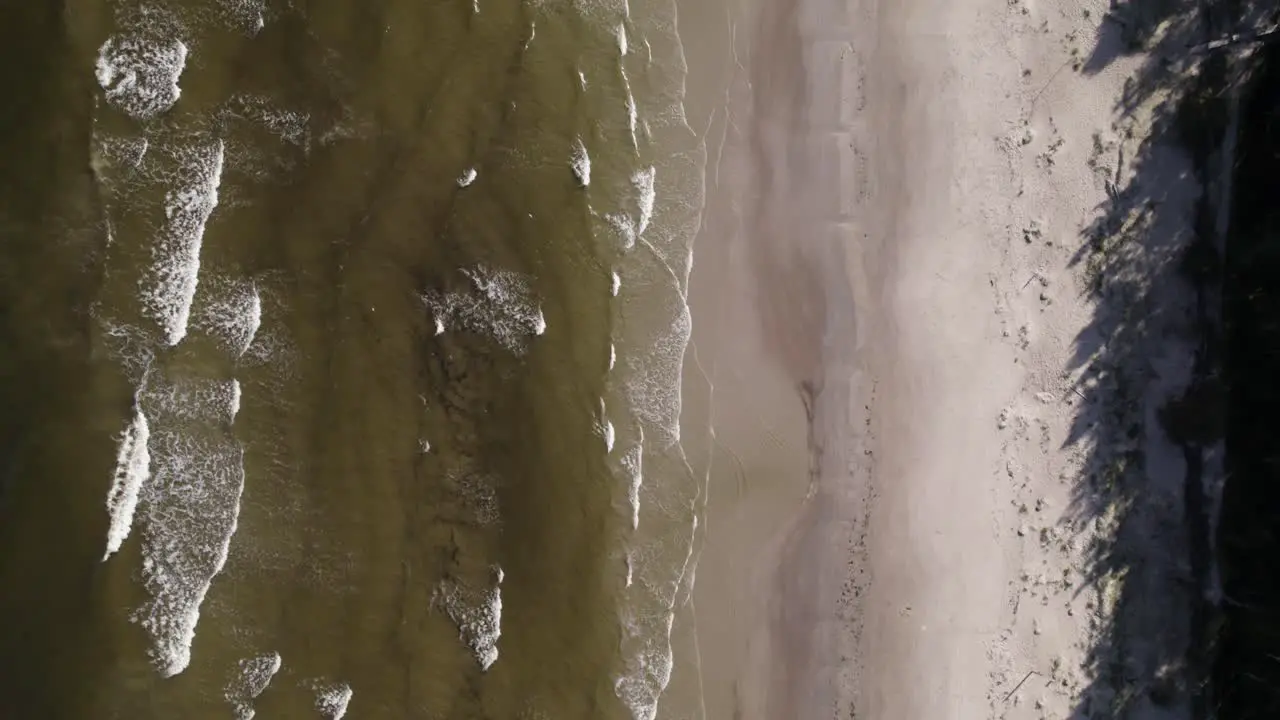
column 935, row 347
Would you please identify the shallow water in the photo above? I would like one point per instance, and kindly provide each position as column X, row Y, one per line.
column 343, row 345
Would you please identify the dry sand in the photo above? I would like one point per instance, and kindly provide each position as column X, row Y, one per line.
column 917, row 408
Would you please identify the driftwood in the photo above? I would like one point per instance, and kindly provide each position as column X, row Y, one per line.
column 1244, row 38
column 1021, row 682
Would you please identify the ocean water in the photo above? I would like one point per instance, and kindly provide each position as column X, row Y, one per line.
column 343, row 344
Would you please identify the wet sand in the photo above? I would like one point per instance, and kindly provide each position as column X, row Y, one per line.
column 779, row 293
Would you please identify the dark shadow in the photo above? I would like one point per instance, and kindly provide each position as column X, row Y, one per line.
column 1246, row 673
column 1149, row 365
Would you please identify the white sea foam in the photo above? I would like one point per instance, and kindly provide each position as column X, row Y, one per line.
column 289, row 126
column 642, row 181
column 249, row 15
column 606, row 428
column 653, row 381
column 129, row 345
column 195, row 399
column 467, row 177
column 175, row 273
column 581, row 163
column 133, row 467
column 501, row 305
column 233, row 408
column 633, row 465
column 477, row 614
column 615, row 283
column 655, row 485
column 252, row 677
column 633, row 113
column 622, row 39
column 232, row 312
column 649, row 669
column 123, row 152
column 632, row 225
column 478, row 492
column 332, row 699
column 139, row 74
column 189, row 508
column 613, row 356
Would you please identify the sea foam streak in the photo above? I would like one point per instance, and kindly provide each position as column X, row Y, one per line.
column 133, row 466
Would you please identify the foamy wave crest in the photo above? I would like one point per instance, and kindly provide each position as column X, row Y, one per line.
column 633, row 466
column 196, row 399
column 332, row 698
column 252, row 677
column 633, row 113
column 190, row 508
column 477, row 614
column 139, row 72
column 605, row 427
column 633, row 224
column 192, row 505
column 176, row 270
column 133, row 467
column 248, row 15
column 287, row 125
column 125, row 153
column 500, row 305
column 580, row 163
column 649, row 668
column 232, row 313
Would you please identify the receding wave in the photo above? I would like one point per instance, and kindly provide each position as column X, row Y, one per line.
column 653, row 214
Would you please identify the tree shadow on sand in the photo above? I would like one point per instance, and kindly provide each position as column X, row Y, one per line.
column 1147, row 366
